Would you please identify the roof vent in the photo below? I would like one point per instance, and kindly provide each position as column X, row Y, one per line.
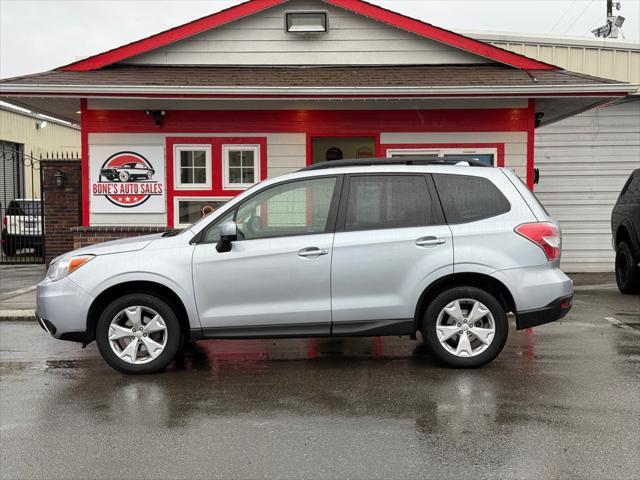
column 306, row 22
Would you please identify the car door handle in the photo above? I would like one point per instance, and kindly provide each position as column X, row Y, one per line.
column 430, row 241
column 312, row 252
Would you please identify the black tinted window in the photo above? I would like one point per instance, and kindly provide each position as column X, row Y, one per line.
column 388, row 201
column 466, row 198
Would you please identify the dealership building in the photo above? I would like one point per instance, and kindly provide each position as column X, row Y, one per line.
column 176, row 124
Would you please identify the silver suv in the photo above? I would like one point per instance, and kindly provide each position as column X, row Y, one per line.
column 348, row 248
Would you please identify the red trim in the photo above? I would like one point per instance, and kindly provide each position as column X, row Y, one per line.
column 319, row 122
column 217, row 188
column 441, row 35
column 170, row 36
column 498, row 146
column 84, row 149
column 312, row 135
column 357, row 6
column 531, row 138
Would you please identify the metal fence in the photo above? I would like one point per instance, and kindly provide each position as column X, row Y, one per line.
column 21, row 206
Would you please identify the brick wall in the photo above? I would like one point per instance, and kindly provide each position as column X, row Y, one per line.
column 84, row 236
column 62, row 205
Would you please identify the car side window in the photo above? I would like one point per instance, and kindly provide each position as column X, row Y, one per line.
column 388, row 201
column 467, row 198
column 295, row 208
column 212, row 234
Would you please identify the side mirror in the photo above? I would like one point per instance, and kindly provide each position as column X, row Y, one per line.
column 228, row 234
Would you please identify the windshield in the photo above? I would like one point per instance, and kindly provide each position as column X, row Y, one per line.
column 24, row 207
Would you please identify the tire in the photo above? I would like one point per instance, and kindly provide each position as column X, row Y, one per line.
column 627, row 271
column 467, row 297
column 123, row 176
column 145, row 363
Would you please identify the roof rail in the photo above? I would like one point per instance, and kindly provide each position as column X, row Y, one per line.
column 364, row 162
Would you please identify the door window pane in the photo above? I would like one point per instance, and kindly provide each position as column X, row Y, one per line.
column 388, row 201
column 466, row 198
column 190, row 211
column 296, row 208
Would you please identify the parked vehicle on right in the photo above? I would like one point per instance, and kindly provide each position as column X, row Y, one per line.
column 625, row 227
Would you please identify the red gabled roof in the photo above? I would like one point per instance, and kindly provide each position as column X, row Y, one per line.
column 360, row 7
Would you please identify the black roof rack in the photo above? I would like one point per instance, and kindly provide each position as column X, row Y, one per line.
column 363, row 162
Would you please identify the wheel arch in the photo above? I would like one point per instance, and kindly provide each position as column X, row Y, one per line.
column 464, row 279
column 622, row 234
column 147, row 287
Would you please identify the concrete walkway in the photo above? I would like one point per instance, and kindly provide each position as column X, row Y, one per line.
column 18, row 291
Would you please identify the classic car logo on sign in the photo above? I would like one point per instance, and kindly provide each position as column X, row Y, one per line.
column 126, row 180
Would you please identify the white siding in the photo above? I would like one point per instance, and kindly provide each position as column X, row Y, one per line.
column 261, row 40
column 515, row 144
column 286, row 152
column 584, row 162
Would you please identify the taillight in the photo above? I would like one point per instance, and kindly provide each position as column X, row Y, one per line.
column 5, row 222
column 543, row 234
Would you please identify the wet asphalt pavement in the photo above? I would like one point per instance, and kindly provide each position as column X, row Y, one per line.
column 561, row 402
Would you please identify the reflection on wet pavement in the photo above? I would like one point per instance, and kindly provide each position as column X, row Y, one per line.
column 561, row 401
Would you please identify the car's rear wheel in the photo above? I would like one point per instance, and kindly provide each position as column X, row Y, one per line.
column 465, row 327
column 138, row 333
column 627, row 271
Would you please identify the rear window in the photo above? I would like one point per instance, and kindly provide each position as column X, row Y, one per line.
column 23, row 207
column 466, row 199
column 388, row 201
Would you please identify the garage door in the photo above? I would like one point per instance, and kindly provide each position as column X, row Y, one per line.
column 584, row 161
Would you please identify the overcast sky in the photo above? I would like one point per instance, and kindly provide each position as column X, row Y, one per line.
column 38, row 35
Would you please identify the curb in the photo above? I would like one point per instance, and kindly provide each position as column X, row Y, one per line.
column 17, row 315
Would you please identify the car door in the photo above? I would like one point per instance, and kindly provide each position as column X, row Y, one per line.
column 275, row 281
column 391, row 242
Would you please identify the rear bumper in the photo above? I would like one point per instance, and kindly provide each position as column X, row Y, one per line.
column 539, row 316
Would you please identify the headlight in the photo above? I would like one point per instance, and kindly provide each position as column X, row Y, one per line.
column 62, row 268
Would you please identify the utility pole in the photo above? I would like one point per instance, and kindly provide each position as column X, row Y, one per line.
column 612, row 28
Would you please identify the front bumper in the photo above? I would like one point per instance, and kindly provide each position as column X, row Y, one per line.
column 62, row 308
column 552, row 312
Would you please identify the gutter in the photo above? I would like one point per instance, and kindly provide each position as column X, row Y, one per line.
column 151, row 90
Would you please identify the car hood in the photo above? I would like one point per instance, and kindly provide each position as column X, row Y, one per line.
column 115, row 246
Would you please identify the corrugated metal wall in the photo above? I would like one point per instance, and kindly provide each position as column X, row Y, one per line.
column 608, row 58
column 21, row 129
column 584, row 162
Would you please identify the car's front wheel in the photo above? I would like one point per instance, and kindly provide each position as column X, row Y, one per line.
column 627, row 270
column 138, row 333
column 123, row 176
column 465, row 327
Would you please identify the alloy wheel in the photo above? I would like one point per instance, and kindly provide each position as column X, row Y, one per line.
column 465, row 327
column 137, row 334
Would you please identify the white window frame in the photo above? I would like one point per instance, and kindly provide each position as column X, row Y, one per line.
column 441, row 152
column 176, row 206
column 177, row 183
column 226, row 149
